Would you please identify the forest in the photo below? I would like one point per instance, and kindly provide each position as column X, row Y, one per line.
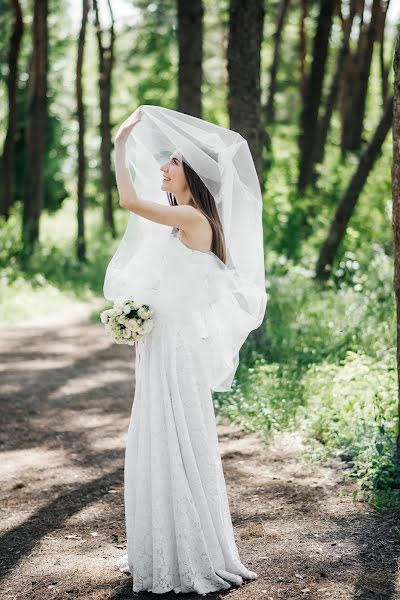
column 311, row 85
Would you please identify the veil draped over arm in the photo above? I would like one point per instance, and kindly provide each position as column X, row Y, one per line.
column 235, row 298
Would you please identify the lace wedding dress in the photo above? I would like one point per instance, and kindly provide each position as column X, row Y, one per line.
column 178, row 523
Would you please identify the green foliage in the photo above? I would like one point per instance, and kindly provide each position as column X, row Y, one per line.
column 52, row 275
column 328, row 370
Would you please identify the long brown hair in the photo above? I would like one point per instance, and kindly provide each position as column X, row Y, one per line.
column 204, row 201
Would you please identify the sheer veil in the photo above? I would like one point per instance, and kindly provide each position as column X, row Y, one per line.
column 222, row 159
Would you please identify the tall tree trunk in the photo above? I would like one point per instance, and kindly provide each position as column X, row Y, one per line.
column 358, row 79
column 325, row 121
column 396, row 219
column 36, row 126
column 81, row 244
column 383, row 67
column 347, row 204
column 106, row 62
column 302, row 49
column 190, row 44
column 270, row 105
column 7, row 162
column 246, row 22
column 313, row 95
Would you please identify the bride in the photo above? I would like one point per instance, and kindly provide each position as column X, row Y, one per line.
column 193, row 251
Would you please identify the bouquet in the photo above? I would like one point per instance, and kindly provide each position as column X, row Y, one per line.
column 127, row 321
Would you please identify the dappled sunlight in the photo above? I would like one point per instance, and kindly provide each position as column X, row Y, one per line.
column 41, row 468
column 87, row 382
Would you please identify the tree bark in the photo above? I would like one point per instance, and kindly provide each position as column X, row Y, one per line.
column 313, row 94
column 246, row 24
column 270, row 105
column 359, row 68
column 81, row 244
column 383, row 67
column 190, row 46
column 325, row 121
column 347, row 204
column 396, row 220
column 36, row 127
column 303, row 49
column 106, row 62
column 246, row 21
column 7, row 163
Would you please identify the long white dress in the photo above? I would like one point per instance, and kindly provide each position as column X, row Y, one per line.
column 178, row 523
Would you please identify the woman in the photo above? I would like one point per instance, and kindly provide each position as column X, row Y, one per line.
column 198, row 262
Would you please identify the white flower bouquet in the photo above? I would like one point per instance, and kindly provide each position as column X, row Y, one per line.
column 127, row 321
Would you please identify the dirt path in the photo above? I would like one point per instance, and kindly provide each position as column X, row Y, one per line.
column 66, row 401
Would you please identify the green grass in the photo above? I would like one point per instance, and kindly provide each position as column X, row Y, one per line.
column 328, row 370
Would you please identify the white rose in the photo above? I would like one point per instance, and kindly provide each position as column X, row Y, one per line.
column 135, row 325
column 147, row 326
column 104, row 317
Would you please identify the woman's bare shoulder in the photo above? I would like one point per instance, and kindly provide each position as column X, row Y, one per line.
column 199, row 236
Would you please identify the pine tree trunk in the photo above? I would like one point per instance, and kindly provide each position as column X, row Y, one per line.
column 352, row 193
column 190, row 45
column 106, row 63
column 81, row 245
column 7, row 162
column 325, row 121
column 359, row 66
column 383, row 67
column 36, row 126
column 313, row 94
column 270, row 105
column 396, row 219
column 302, row 49
column 246, row 22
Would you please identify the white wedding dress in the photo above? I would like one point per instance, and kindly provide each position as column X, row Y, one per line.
column 178, row 523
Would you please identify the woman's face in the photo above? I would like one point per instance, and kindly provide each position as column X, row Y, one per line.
column 174, row 179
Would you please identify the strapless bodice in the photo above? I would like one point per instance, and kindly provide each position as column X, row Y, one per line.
column 194, row 292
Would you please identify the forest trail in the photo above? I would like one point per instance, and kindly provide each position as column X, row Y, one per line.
column 67, row 393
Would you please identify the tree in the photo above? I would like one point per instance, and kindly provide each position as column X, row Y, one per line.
column 190, row 45
column 270, row 105
column 246, row 22
column 324, row 122
column 313, row 94
column 347, row 204
column 36, row 126
column 302, row 47
column 7, row 163
column 81, row 246
column 396, row 217
column 355, row 81
column 106, row 62
column 383, row 67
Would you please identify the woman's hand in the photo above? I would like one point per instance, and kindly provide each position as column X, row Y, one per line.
column 127, row 126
